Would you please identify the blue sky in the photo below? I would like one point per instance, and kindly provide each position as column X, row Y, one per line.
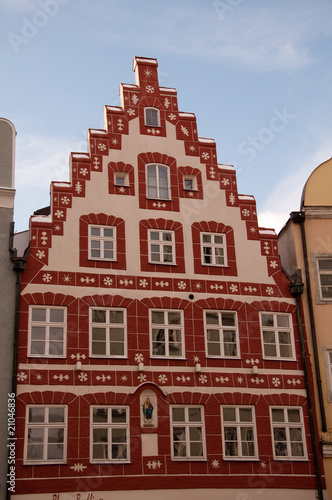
column 256, row 73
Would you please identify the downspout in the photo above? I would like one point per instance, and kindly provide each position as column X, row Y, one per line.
column 18, row 265
column 297, row 291
column 299, row 217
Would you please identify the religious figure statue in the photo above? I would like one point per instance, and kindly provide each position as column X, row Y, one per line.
column 147, row 411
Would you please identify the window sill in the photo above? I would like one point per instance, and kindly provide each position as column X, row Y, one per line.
column 278, row 359
column 44, row 463
column 189, row 459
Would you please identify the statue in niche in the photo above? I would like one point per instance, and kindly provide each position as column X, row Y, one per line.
column 147, row 412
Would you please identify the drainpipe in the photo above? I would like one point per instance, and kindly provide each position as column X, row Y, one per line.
column 297, row 291
column 299, row 217
column 18, row 265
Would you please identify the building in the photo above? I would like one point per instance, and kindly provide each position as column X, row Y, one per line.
column 306, row 244
column 7, row 306
column 160, row 347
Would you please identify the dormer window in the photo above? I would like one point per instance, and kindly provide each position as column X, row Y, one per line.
column 189, row 182
column 121, row 179
column 152, row 117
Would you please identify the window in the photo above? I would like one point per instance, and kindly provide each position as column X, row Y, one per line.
column 166, row 333
column 288, row 433
column 187, row 432
column 158, row 182
column 110, row 434
column 221, row 334
column 46, row 434
column 47, row 331
column 121, row 179
column 213, row 249
column 189, row 182
column 161, row 247
column 108, row 332
column 239, row 432
column 277, row 336
column 325, row 278
column 102, row 243
column 151, row 117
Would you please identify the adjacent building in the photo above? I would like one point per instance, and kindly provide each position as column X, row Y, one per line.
column 7, row 305
column 160, row 348
column 305, row 244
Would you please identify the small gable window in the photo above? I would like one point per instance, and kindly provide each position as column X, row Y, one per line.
column 152, row 117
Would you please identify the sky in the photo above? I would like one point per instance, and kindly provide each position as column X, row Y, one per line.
column 256, row 73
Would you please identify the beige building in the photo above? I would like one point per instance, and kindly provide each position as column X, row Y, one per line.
column 305, row 244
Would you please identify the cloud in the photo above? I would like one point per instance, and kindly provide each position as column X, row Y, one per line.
column 286, row 196
column 278, row 36
column 39, row 161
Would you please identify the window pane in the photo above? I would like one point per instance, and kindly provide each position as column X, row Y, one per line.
column 178, row 415
column 98, row 316
column 37, row 347
column 117, row 334
column 174, row 318
column 116, row 316
column 56, row 414
column 119, row 451
column 99, row 334
column 36, row 414
column 283, row 321
column 245, row 414
column 158, row 317
column 38, row 314
column 57, row 315
column 206, row 238
column 119, row 415
column 99, row 415
column 213, row 335
column 95, row 231
column 212, row 318
column 228, row 319
column 278, row 415
column 38, row 332
column 325, row 264
column 56, row 333
column 267, row 319
column 56, row 348
column 213, row 349
column 119, row 435
column 294, row 415
column 194, row 415
column 229, row 414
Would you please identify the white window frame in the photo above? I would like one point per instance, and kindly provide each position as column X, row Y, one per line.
column 193, row 179
column 288, row 426
column 123, row 177
column 222, row 329
column 107, row 326
column 238, row 427
column 159, row 195
column 47, row 325
column 102, row 239
column 162, row 335
column 186, row 424
column 214, row 247
column 112, row 439
column 46, row 426
column 277, row 330
column 327, row 352
column 150, row 121
column 325, row 272
column 162, row 245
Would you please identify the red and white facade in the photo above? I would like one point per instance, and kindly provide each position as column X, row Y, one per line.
column 158, row 345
